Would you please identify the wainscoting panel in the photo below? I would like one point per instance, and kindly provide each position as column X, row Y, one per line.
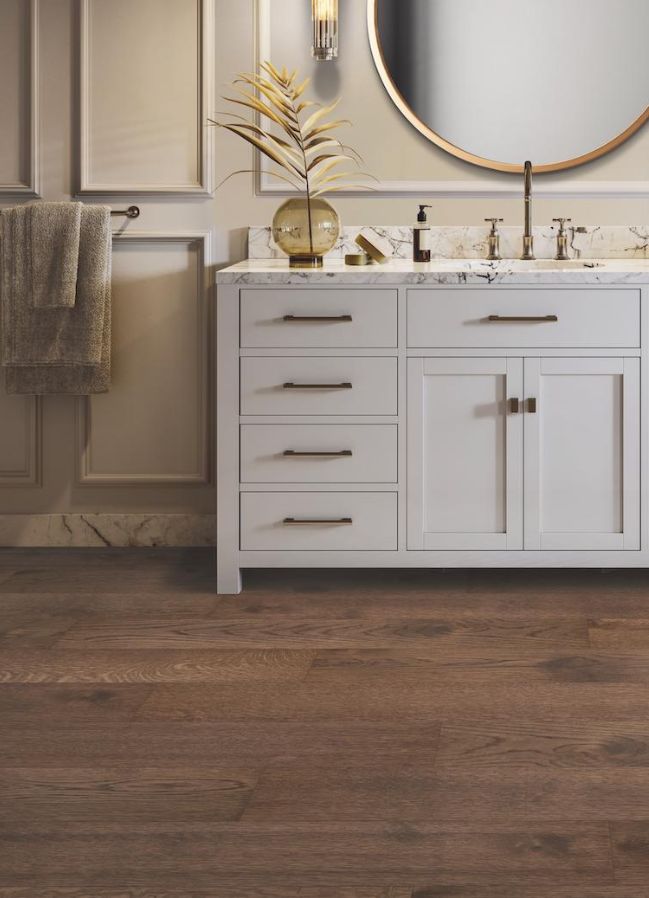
column 19, row 171
column 146, row 75
column 20, row 439
column 152, row 427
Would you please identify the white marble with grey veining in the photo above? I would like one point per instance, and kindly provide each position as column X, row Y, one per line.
column 591, row 242
column 114, row 530
column 441, row 272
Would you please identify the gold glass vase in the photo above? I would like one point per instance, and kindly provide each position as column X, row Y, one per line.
column 306, row 230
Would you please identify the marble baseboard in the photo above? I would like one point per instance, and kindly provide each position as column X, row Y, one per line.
column 629, row 242
column 114, row 530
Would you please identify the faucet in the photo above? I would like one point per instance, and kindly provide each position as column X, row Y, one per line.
column 528, row 237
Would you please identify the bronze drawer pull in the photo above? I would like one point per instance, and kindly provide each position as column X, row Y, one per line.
column 343, row 386
column 532, row 406
column 522, row 318
column 307, row 318
column 293, row 453
column 514, row 406
column 300, row 521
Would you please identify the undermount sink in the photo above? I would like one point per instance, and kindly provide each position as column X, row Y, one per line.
column 552, row 264
column 522, row 265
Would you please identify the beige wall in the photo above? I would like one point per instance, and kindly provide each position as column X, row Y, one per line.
column 146, row 447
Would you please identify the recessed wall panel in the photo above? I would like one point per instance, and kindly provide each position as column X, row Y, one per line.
column 17, row 44
column 143, row 82
column 151, row 426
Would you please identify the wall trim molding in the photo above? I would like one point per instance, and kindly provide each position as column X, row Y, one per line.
column 205, row 159
column 544, row 185
column 31, row 189
column 30, row 475
column 83, row 412
column 107, row 530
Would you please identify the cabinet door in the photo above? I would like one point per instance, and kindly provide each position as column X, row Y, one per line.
column 582, row 454
column 465, row 456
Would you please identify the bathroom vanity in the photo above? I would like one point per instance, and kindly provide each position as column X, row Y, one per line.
column 457, row 414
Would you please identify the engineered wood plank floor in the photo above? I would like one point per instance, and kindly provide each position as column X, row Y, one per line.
column 355, row 734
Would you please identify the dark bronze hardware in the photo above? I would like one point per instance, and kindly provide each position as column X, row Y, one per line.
column 293, row 453
column 300, row 521
column 131, row 212
column 308, row 318
column 522, row 318
column 532, row 406
column 343, row 386
column 514, row 406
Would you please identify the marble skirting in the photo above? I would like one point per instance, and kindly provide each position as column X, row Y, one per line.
column 590, row 242
column 115, row 530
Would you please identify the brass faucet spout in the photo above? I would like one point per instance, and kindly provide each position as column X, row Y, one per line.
column 528, row 237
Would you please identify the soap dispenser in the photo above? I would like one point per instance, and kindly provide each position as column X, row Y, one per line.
column 422, row 243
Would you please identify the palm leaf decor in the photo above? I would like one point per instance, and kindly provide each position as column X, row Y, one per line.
column 295, row 133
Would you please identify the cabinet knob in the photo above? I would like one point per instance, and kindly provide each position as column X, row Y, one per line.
column 514, row 406
column 532, row 406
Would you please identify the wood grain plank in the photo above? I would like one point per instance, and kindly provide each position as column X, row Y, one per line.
column 99, row 570
column 630, row 847
column 562, row 850
column 20, row 703
column 593, row 745
column 230, row 887
column 291, row 631
column 525, row 889
column 225, row 667
column 328, row 695
column 42, row 798
column 378, row 790
column 628, row 634
column 42, row 743
column 489, row 663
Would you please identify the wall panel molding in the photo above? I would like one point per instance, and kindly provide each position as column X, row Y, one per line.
column 86, row 473
column 204, row 185
column 544, row 186
column 30, row 188
column 29, row 474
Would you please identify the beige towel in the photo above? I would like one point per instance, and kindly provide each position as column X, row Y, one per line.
column 57, row 350
column 54, row 240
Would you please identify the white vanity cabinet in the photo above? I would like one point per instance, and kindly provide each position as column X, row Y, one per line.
column 536, row 453
column 398, row 419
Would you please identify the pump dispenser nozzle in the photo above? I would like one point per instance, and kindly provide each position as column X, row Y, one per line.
column 422, row 213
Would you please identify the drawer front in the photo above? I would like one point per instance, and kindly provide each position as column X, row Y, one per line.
column 554, row 318
column 318, row 386
column 303, row 522
column 318, row 318
column 319, row 453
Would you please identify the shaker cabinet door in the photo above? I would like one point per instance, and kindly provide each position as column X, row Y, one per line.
column 582, row 454
column 465, row 456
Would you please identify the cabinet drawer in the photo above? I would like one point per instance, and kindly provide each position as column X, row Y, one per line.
column 318, row 521
column 319, row 453
column 318, row 318
column 551, row 318
column 318, row 386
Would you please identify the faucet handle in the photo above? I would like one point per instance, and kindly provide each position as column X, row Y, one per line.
column 562, row 222
column 494, row 239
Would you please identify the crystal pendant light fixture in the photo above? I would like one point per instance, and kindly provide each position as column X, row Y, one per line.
column 325, row 29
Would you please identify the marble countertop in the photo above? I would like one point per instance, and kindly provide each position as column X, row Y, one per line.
column 276, row 272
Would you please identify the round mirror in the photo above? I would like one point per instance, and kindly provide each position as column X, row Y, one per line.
column 558, row 82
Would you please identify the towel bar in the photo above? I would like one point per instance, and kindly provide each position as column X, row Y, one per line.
column 131, row 212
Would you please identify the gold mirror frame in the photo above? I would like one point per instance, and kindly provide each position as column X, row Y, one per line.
column 423, row 128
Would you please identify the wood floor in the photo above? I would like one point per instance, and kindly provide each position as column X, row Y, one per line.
column 324, row 735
